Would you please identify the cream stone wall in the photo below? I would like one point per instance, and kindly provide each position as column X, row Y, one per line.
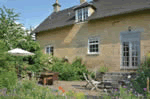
column 91, row 11
column 72, row 41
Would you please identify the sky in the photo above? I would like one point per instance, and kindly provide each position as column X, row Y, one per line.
column 33, row 12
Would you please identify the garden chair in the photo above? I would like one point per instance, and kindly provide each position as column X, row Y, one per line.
column 88, row 82
column 91, row 82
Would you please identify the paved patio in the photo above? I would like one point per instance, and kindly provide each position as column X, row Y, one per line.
column 76, row 86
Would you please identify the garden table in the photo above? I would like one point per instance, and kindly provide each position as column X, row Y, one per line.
column 46, row 77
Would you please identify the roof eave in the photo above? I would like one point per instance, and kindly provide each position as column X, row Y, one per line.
column 54, row 28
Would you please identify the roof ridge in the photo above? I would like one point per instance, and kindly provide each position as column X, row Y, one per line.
column 65, row 9
column 83, row 3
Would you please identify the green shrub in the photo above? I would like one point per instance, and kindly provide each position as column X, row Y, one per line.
column 28, row 89
column 69, row 71
column 8, row 79
column 141, row 80
column 8, row 76
column 79, row 67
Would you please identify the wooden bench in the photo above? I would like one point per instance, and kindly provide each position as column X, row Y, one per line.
column 111, row 80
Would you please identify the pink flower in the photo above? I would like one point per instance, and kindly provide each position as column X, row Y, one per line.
column 145, row 89
column 115, row 89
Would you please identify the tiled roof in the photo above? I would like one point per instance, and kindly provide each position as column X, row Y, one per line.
column 104, row 8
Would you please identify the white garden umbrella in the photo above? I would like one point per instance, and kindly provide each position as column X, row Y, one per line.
column 19, row 52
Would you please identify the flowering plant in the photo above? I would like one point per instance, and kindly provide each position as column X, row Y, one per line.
column 61, row 89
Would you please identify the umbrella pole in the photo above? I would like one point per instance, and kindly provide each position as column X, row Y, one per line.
column 17, row 66
column 20, row 69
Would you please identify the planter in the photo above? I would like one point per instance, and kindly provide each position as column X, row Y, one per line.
column 102, row 73
column 99, row 76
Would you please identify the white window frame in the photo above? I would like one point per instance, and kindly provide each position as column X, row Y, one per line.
column 83, row 10
column 129, row 39
column 49, row 49
column 96, row 39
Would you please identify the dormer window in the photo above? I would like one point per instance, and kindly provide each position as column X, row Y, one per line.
column 83, row 11
column 81, row 14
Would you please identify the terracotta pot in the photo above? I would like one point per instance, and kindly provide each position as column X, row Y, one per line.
column 102, row 73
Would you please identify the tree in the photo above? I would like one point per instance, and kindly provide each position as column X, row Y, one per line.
column 14, row 36
column 10, row 31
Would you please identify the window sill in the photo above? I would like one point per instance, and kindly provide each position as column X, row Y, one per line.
column 129, row 68
column 81, row 22
column 92, row 54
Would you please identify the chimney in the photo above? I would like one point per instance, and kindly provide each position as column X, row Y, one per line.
column 56, row 6
column 82, row 1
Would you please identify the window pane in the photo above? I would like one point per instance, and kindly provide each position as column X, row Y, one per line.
column 132, row 59
column 91, row 46
column 96, row 41
column 47, row 50
column 52, row 50
column 80, row 14
column 85, row 13
column 125, row 51
column 126, row 44
column 133, row 53
column 94, row 50
column 91, row 50
column 92, row 41
column 135, row 56
column 124, row 48
column 97, row 50
column 123, row 59
column 128, row 63
column 136, row 63
column 125, row 64
column 132, row 63
column 96, row 46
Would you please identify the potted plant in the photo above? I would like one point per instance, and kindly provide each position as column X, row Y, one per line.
column 102, row 71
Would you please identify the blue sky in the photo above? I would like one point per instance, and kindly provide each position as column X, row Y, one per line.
column 33, row 12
